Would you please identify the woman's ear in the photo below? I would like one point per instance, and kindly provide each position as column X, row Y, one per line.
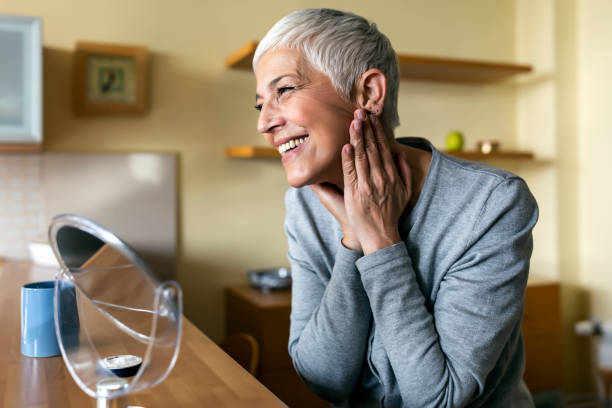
column 371, row 91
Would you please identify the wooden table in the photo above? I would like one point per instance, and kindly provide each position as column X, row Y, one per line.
column 204, row 376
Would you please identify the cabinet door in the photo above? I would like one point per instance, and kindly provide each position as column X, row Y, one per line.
column 20, row 79
column 542, row 334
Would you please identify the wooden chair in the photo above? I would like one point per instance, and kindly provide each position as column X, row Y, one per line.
column 243, row 348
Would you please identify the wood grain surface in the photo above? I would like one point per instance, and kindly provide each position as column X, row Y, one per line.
column 204, row 376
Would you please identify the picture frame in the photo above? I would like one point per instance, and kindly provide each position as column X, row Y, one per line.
column 20, row 81
column 110, row 79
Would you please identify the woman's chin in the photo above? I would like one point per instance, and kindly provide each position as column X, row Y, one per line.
column 297, row 182
column 299, row 176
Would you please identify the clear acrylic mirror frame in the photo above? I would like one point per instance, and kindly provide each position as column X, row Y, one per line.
column 160, row 344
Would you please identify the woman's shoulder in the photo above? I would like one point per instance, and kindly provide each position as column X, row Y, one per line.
column 451, row 165
column 480, row 179
column 455, row 175
column 457, row 191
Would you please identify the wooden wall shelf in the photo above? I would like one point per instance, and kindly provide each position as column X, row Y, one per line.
column 20, row 147
column 419, row 67
column 243, row 58
column 263, row 152
column 502, row 155
column 457, row 70
column 252, row 152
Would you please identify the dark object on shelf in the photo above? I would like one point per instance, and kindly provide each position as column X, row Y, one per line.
column 270, row 279
column 488, row 146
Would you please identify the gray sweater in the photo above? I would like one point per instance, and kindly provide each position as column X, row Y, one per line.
column 433, row 321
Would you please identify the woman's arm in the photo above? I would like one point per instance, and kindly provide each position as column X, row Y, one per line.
column 329, row 322
column 443, row 359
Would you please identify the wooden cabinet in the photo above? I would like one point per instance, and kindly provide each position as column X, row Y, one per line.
column 542, row 335
column 266, row 317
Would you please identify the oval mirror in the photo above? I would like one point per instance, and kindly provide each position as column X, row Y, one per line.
column 118, row 326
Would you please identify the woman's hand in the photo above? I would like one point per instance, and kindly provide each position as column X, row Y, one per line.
column 376, row 190
column 333, row 200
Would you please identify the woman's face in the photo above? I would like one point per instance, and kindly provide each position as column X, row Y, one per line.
column 303, row 116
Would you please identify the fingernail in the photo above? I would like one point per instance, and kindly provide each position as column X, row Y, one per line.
column 347, row 149
column 361, row 114
column 356, row 125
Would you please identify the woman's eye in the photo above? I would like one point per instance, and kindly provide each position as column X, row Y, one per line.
column 258, row 107
column 284, row 89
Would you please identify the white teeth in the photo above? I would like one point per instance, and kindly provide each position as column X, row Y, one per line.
column 291, row 144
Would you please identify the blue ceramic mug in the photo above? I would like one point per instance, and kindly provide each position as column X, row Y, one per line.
column 38, row 337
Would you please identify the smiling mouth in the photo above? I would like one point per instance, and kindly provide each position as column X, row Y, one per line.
column 292, row 144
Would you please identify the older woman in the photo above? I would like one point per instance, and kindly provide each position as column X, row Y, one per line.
column 409, row 266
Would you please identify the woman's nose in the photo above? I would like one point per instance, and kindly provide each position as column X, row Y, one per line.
column 269, row 118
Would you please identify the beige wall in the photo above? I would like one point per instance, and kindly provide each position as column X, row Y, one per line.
column 594, row 168
column 594, row 145
column 578, row 367
column 565, row 110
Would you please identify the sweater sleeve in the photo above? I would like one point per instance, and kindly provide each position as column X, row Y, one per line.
column 330, row 321
column 442, row 358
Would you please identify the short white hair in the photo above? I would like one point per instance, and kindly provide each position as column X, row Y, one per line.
column 341, row 45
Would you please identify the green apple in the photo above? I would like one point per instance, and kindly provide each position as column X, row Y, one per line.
column 454, row 141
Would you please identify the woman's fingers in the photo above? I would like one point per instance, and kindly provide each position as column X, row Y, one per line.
column 348, row 168
column 371, row 148
column 361, row 159
column 383, row 147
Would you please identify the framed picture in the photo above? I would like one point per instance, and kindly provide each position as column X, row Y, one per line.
column 20, row 80
column 110, row 79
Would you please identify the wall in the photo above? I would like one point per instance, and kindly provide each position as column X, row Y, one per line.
column 564, row 109
column 231, row 211
column 578, row 369
column 595, row 143
column 536, row 126
column 594, row 168
column 134, row 195
column 21, row 204
column 546, row 115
